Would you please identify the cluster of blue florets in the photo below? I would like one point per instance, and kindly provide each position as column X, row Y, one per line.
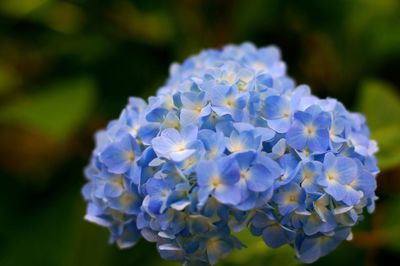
column 231, row 143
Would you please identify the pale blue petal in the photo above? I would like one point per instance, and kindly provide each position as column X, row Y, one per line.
column 205, row 170
column 179, row 156
column 229, row 170
column 188, row 116
column 189, row 133
column 228, row 194
column 347, row 170
column 296, row 137
column 281, row 125
column 275, row 106
column 162, row 146
column 259, row 178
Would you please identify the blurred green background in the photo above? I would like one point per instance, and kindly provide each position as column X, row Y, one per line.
column 67, row 67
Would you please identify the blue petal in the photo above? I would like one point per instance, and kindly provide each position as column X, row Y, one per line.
column 241, row 100
column 309, row 250
column 347, row 170
column 366, row 182
column 304, row 117
column 259, row 178
column 265, row 133
column 203, row 194
column 228, row 194
column 147, row 132
column 330, row 244
column 155, row 205
column 179, row 156
column 171, row 134
column 336, row 190
column 323, row 120
column 205, row 170
column 319, row 142
column 157, row 115
column 221, row 110
column 280, row 125
column 163, row 145
column 189, row 133
column 155, row 186
column 118, row 158
column 352, row 196
column 279, row 148
column 275, row 236
column 217, row 95
column 129, row 237
column 188, row 116
column 275, row 107
column 213, row 142
column 295, row 137
column 244, row 159
column 191, row 100
column 229, row 170
column 171, row 252
column 115, row 187
column 128, row 203
column 247, row 204
column 312, row 224
column 199, row 225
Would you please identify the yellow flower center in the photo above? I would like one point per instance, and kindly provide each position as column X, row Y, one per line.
column 241, row 85
column 134, row 129
column 332, row 175
column 190, row 161
column 180, row 146
column 126, row 199
column 236, row 147
column 310, row 130
column 292, row 198
column 244, row 175
column 283, row 177
column 198, row 109
column 307, row 175
column 331, row 132
column 258, row 66
column 230, row 102
column 164, row 193
column 230, row 78
column 131, row 156
column 215, row 181
column 118, row 181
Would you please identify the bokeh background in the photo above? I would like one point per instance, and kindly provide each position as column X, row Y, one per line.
column 67, row 67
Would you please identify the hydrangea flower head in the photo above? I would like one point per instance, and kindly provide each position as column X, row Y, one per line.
column 231, row 143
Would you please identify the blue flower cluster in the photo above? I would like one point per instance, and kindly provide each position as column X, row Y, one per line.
column 232, row 143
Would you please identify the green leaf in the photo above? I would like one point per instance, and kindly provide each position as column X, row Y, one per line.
column 56, row 111
column 55, row 234
column 21, row 7
column 380, row 103
column 257, row 253
column 388, row 139
column 9, row 79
